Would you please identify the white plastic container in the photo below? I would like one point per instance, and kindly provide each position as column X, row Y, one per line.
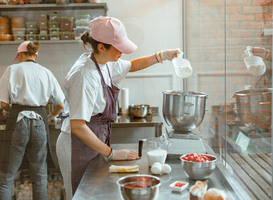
column 254, row 64
column 182, row 66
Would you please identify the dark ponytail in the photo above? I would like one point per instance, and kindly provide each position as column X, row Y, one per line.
column 86, row 38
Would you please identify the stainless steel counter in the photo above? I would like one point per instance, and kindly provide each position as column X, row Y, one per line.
column 127, row 121
column 98, row 183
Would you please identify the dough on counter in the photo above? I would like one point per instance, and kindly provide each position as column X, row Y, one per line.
column 115, row 168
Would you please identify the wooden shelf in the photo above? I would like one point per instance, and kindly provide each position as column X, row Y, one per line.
column 70, row 6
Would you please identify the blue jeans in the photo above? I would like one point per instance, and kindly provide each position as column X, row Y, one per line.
column 29, row 137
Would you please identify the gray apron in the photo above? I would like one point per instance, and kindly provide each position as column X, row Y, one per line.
column 13, row 115
column 100, row 126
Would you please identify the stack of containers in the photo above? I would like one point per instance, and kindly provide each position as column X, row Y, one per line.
column 5, row 29
column 54, row 28
column 66, row 28
column 43, row 26
column 31, row 31
column 82, row 25
column 18, row 25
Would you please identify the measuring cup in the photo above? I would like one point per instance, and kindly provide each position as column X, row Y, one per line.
column 182, row 66
column 157, row 148
column 255, row 64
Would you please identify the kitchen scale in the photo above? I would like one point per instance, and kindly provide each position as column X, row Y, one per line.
column 184, row 111
column 185, row 143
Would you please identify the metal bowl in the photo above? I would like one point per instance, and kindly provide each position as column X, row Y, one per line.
column 199, row 170
column 254, row 107
column 139, row 110
column 135, row 187
column 184, row 110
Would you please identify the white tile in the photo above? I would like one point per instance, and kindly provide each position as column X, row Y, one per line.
column 152, row 11
column 131, row 8
column 172, row 8
column 10, row 48
column 7, row 58
column 52, row 57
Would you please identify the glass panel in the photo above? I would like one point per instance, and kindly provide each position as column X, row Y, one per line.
column 229, row 45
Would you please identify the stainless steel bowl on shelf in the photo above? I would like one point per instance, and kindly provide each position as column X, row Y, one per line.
column 135, row 187
column 184, row 110
column 199, row 170
column 139, row 110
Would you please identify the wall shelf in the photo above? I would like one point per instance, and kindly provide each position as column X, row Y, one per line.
column 41, row 41
column 70, row 6
column 28, row 10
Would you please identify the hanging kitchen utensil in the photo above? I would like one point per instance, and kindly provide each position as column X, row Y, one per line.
column 182, row 66
column 255, row 64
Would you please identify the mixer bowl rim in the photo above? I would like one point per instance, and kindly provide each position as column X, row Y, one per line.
column 185, row 93
column 138, row 175
column 255, row 91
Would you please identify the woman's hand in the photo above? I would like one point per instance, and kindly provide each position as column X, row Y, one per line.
column 125, row 155
column 170, row 54
column 261, row 52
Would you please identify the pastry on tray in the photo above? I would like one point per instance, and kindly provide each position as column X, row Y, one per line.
column 198, row 190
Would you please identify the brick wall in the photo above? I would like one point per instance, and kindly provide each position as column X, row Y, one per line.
column 218, row 32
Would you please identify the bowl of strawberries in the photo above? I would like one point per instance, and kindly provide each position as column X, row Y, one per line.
column 198, row 166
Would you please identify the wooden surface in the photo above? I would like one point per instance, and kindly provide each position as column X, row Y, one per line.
column 254, row 172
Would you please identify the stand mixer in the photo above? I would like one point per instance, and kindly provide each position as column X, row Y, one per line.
column 184, row 111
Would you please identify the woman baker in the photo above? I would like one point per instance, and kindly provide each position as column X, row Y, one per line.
column 91, row 92
column 28, row 87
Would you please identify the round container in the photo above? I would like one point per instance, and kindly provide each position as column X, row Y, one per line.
column 18, row 20
column 4, row 20
column 6, row 37
column 139, row 110
column 184, row 110
column 135, row 187
column 18, row 25
column 253, row 107
column 199, row 170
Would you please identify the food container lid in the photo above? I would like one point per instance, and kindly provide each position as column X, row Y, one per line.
column 66, row 17
column 83, row 16
column 19, row 35
column 42, row 20
column 66, row 33
column 18, row 29
column 55, row 28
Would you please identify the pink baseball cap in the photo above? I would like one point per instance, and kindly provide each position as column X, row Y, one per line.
column 110, row 30
column 22, row 48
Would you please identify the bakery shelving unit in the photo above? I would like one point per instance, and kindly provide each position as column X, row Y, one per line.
column 72, row 9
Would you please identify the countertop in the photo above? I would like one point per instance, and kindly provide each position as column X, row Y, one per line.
column 98, row 183
column 123, row 120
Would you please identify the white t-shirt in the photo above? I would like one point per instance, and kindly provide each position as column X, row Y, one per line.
column 83, row 89
column 30, row 84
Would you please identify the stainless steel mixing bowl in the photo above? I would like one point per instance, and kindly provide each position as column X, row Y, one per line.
column 139, row 110
column 184, row 110
column 135, row 187
column 199, row 170
column 254, row 107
